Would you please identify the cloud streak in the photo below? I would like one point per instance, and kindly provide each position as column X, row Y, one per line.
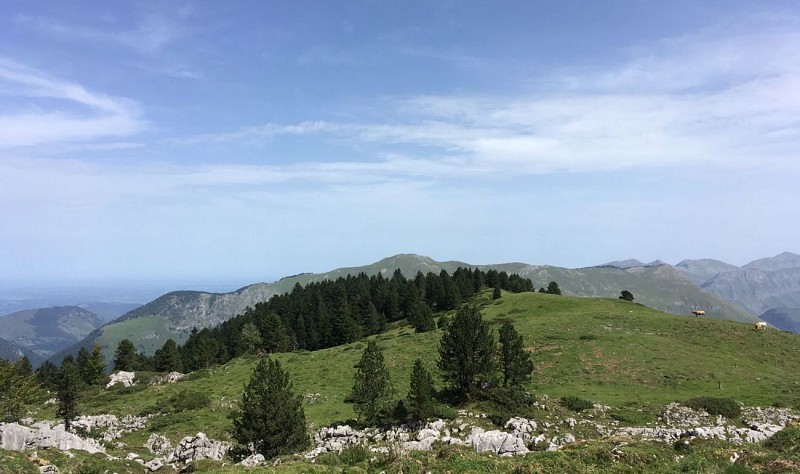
column 694, row 100
column 81, row 115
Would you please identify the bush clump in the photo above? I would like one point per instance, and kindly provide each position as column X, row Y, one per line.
column 785, row 441
column 727, row 407
column 189, row 400
column 443, row 322
column 183, row 400
column 576, row 404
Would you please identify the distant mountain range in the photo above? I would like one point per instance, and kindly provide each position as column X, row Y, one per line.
column 761, row 285
column 174, row 314
column 45, row 331
column 13, row 352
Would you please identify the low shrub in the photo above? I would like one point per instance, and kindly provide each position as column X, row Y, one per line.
column 576, row 404
column 354, row 454
column 443, row 322
column 183, row 400
column 158, row 423
column 727, row 407
column 785, row 441
column 507, row 402
column 187, row 399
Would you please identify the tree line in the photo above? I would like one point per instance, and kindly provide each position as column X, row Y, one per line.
column 324, row 314
column 316, row 316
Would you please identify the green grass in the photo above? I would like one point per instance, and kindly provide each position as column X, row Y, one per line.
column 156, row 329
column 609, row 351
column 604, row 350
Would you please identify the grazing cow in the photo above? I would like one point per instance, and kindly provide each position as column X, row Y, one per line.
column 699, row 312
column 760, row 326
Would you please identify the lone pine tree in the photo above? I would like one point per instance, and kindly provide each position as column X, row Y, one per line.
column 270, row 418
column 372, row 387
column 515, row 363
column 467, row 350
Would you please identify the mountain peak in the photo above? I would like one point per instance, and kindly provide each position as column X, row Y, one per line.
column 778, row 262
column 631, row 263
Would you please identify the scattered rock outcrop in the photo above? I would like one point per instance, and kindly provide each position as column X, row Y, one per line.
column 158, row 444
column 171, row 377
column 22, row 438
column 193, row 448
column 521, row 435
column 127, row 379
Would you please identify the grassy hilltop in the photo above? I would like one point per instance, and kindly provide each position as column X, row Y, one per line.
column 610, row 351
column 617, row 353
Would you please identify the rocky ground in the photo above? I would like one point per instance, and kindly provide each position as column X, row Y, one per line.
column 551, row 431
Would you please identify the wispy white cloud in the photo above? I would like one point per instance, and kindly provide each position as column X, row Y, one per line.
column 148, row 36
column 83, row 115
column 725, row 100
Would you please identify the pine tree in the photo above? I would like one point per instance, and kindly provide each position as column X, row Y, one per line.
column 82, row 364
column 68, row 391
column 466, row 350
column 553, row 289
column 515, row 363
column 275, row 338
column 372, row 387
column 496, row 294
column 125, row 356
column 270, row 418
column 421, row 317
column 24, row 366
column 250, row 338
column 47, row 375
column 17, row 389
column 94, row 370
column 420, row 394
column 168, row 358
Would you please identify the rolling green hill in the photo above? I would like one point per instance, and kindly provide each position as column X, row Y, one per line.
column 659, row 286
column 624, row 355
column 607, row 350
column 48, row 330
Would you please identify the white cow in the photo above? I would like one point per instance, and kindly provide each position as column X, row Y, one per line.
column 760, row 326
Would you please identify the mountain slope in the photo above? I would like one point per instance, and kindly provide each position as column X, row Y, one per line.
column 761, row 285
column 785, row 319
column 48, row 330
column 12, row 352
column 700, row 271
column 174, row 314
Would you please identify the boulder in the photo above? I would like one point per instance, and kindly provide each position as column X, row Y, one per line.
column 427, row 433
column 49, row 469
column 155, row 464
column 252, row 460
column 158, row 444
column 63, row 440
column 14, row 437
column 497, row 442
column 192, row 448
column 125, row 378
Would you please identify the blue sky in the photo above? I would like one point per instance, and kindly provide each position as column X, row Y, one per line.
column 251, row 140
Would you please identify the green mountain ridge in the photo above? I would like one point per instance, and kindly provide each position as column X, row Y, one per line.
column 48, row 330
column 174, row 314
column 13, row 352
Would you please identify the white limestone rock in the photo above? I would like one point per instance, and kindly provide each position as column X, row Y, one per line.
column 127, row 379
